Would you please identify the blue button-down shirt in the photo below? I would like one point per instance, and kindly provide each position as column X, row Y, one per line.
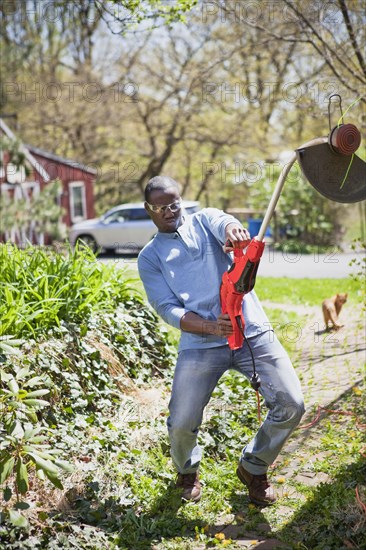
column 182, row 272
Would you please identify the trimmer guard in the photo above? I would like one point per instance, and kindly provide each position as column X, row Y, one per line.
column 327, row 173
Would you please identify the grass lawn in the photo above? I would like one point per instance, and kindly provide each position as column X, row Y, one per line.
column 305, row 291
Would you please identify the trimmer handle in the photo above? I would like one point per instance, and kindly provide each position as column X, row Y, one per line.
column 236, row 282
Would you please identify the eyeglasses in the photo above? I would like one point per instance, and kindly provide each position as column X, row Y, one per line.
column 173, row 207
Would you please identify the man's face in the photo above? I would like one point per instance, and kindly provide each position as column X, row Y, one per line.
column 166, row 220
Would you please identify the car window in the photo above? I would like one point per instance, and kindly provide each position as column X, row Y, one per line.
column 124, row 215
column 139, row 214
column 118, row 216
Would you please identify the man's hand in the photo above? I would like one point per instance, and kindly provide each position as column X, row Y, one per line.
column 237, row 235
column 223, row 326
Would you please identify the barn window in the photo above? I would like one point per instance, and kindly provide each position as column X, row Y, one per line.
column 77, row 201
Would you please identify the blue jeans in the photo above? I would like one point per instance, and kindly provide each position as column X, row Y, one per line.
column 197, row 373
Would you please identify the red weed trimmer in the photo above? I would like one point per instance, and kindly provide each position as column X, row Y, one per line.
column 330, row 165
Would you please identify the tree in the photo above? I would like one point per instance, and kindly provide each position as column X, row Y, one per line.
column 121, row 15
column 334, row 32
column 49, row 67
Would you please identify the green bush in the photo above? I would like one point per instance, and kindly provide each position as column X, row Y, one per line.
column 23, row 445
column 41, row 288
column 74, row 334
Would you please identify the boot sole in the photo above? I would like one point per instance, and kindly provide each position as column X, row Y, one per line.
column 196, row 499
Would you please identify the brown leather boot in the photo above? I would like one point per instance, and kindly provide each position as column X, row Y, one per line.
column 261, row 491
column 190, row 485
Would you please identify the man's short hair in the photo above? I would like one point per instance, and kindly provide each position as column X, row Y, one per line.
column 160, row 183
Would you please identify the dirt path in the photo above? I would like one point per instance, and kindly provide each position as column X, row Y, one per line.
column 330, row 362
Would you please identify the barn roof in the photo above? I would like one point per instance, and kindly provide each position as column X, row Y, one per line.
column 24, row 149
column 27, row 150
column 61, row 160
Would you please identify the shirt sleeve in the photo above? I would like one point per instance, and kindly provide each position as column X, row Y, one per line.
column 216, row 221
column 158, row 292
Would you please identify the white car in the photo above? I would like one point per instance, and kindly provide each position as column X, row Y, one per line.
column 125, row 228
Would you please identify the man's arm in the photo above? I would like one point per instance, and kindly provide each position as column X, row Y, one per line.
column 225, row 227
column 191, row 322
column 158, row 292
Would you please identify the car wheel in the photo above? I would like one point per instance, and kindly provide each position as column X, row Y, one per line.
column 87, row 241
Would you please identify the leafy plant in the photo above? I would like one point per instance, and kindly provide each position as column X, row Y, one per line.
column 9, row 346
column 23, row 447
column 359, row 262
column 41, row 288
column 30, row 217
column 136, row 11
column 16, row 155
column 230, row 416
column 84, row 333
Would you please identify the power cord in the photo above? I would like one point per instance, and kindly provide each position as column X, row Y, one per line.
column 255, row 380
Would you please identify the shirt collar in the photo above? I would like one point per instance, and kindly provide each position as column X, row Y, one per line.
column 173, row 235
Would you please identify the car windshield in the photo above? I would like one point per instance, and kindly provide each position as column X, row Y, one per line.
column 126, row 214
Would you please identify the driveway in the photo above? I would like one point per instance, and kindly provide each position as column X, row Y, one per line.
column 333, row 265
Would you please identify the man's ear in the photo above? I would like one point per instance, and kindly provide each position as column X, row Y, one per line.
column 149, row 212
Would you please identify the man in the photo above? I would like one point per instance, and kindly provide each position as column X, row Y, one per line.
column 181, row 269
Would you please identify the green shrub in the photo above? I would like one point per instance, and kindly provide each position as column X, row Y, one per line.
column 23, row 445
column 41, row 288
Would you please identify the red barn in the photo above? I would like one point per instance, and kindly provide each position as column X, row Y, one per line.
column 38, row 169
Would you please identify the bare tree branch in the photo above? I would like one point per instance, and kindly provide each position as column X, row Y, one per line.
column 352, row 36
